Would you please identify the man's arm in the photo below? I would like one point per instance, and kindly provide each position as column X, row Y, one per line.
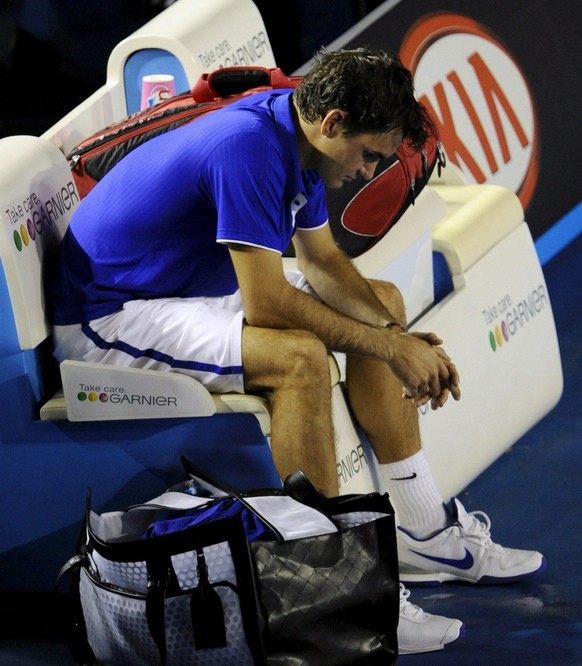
column 269, row 301
column 326, row 267
column 353, row 322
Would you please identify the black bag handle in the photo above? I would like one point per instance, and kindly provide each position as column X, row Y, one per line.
column 235, row 80
column 162, row 581
column 76, row 631
column 195, row 472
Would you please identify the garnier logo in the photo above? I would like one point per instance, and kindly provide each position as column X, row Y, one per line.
column 508, row 316
column 119, row 396
column 479, row 98
column 33, row 215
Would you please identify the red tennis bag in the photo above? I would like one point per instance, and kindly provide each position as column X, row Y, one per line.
column 360, row 212
column 91, row 159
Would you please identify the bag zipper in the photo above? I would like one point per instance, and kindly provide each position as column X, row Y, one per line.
column 135, row 128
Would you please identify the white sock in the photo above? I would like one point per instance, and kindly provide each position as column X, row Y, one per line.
column 414, row 494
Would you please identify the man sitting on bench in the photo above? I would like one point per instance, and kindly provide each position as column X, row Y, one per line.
column 174, row 262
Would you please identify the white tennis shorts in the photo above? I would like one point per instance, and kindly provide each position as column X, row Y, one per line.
column 200, row 337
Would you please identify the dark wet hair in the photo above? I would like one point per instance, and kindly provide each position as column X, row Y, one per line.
column 372, row 87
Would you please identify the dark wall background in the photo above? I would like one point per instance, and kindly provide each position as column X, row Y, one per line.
column 54, row 55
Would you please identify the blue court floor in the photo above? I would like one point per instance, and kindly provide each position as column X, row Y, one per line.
column 533, row 495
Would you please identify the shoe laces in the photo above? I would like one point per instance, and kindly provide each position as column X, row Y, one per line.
column 407, row 608
column 479, row 529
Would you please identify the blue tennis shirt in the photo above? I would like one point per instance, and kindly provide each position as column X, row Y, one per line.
column 158, row 223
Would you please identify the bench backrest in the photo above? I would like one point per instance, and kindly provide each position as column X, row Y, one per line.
column 37, row 199
column 188, row 38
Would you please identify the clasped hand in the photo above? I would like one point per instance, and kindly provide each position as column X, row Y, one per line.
column 425, row 369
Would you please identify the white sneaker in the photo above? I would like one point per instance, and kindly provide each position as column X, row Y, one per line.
column 421, row 632
column 463, row 552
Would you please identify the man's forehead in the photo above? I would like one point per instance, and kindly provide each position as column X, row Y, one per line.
column 383, row 144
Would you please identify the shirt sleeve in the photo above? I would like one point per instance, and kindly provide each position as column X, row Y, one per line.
column 247, row 183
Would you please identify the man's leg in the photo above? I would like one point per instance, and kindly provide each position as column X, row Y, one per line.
column 435, row 544
column 293, row 366
column 391, row 425
column 390, row 422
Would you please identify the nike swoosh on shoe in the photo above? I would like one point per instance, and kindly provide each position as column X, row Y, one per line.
column 464, row 563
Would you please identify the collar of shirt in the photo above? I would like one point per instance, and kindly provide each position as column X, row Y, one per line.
column 298, row 180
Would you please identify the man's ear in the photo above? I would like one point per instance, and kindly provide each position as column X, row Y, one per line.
column 333, row 123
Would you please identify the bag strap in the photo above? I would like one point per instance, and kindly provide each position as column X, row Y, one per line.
column 76, row 630
column 208, row 481
column 235, row 80
column 161, row 580
column 75, row 563
column 299, row 487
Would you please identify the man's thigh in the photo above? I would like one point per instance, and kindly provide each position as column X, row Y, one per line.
column 200, row 337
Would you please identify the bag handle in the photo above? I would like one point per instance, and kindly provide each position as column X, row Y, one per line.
column 235, row 80
column 298, row 486
column 162, row 580
column 209, row 482
column 76, row 630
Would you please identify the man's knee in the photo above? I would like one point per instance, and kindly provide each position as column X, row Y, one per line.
column 283, row 358
column 390, row 296
column 305, row 356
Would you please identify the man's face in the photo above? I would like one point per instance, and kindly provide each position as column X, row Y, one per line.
column 341, row 158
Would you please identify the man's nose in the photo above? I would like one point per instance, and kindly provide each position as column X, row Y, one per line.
column 367, row 170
